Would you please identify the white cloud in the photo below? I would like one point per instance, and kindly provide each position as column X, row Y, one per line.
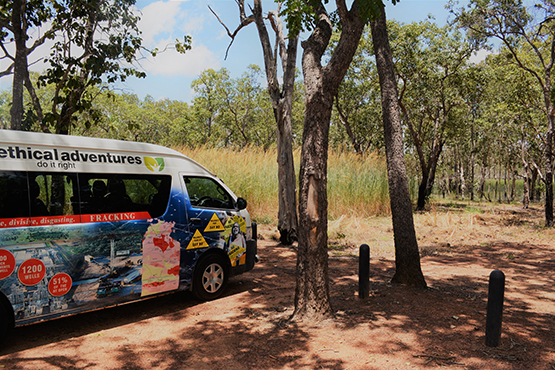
column 171, row 63
column 158, row 18
column 161, row 24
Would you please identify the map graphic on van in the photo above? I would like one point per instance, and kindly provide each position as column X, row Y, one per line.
column 154, row 164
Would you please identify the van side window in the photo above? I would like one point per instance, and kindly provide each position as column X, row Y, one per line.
column 14, row 198
column 107, row 193
column 51, row 194
column 204, row 192
column 35, row 194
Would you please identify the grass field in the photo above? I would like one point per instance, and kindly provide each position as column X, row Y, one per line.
column 359, row 210
column 357, row 186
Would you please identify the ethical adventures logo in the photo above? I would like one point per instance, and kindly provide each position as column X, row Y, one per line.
column 154, row 164
column 65, row 160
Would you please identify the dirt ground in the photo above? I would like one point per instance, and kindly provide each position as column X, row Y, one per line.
column 395, row 328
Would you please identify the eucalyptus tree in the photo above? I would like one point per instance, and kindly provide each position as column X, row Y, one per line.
column 312, row 298
column 94, row 42
column 242, row 113
column 407, row 257
column 430, row 61
column 321, row 86
column 231, row 112
column 357, row 117
column 206, row 105
column 284, row 50
column 519, row 102
column 529, row 38
column 474, row 82
column 17, row 18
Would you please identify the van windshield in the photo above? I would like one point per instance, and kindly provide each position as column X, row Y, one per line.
column 204, row 192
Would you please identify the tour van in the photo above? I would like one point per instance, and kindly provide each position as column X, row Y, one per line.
column 88, row 223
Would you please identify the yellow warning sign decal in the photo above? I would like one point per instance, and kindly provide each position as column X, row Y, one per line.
column 197, row 241
column 214, row 224
column 235, row 251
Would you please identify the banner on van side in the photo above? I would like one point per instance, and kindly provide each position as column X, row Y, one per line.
column 72, row 219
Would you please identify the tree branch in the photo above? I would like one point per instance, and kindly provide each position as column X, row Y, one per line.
column 245, row 21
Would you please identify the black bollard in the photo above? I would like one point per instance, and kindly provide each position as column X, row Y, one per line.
column 364, row 272
column 495, row 308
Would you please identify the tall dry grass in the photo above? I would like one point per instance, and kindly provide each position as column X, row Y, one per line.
column 357, row 186
column 358, row 196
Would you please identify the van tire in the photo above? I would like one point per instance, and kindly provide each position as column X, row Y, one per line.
column 210, row 280
column 6, row 325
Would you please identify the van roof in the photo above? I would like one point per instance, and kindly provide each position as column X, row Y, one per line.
column 76, row 142
column 13, row 137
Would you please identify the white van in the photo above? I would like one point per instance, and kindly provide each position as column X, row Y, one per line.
column 88, row 223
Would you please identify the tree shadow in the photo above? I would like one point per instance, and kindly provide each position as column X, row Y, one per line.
column 255, row 334
column 445, row 323
column 172, row 306
column 448, row 319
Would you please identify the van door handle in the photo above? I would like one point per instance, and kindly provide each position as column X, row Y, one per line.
column 196, row 221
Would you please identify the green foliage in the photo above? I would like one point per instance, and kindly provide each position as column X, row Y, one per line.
column 302, row 15
column 37, row 12
column 95, row 42
column 299, row 15
column 357, row 117
column 232, row 112
column 491, row 18
column 105, row 35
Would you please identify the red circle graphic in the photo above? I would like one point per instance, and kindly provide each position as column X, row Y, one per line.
column 31, row 272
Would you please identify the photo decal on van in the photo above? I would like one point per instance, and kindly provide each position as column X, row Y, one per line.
column 236, row 240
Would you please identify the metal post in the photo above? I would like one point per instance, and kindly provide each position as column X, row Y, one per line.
column 495, row 308
column 364, row 272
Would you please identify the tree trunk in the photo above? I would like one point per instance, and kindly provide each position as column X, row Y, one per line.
column 533, row 182
column 428, row 176
column 526, row 181
column 282, row 102
column 20, row 65
column 549, row 170
column 462, row 178
column 345, row 121
column 407, row 258
column 312, row 291
column 287, row 213
column 422, row 190
column 472, row 160
column 312, row 298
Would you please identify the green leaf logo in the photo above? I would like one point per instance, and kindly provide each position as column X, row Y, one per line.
column 154, row 164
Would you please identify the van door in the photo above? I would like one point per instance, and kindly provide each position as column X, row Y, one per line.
column 213, row 218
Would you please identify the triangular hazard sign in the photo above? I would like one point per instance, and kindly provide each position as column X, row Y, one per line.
column 197, row 241
column 214, row 224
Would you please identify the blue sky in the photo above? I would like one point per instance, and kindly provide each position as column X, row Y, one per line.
column 170, row 74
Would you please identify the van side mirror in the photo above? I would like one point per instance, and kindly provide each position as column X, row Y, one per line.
column 240, row 204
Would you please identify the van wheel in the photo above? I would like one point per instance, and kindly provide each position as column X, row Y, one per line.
column 5, row 323
column 210, row 277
